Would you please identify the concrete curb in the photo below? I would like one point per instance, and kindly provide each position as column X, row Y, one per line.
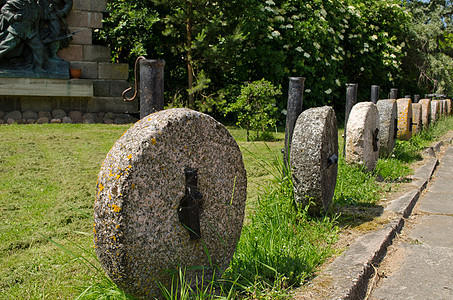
column 350, row 273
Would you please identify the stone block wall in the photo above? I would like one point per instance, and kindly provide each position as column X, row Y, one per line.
column 109, row 80
column 104, row 81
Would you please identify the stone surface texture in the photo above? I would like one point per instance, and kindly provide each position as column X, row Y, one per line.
column 426, row 112
column 404, row 118
column 448, row 101
column 441, row 107
column 138, row 236
column 387, row 115
column 434, row 110
column 416, row 118
column 315, row 140
column 362, row 125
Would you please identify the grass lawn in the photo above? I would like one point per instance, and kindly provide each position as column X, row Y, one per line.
column 48, row 176
column 47, row 185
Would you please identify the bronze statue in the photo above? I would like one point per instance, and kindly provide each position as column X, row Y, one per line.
column 20, row 22
column 54, row 13
column 31, row 33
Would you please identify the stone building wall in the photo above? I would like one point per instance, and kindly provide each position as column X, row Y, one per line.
column 100, row 85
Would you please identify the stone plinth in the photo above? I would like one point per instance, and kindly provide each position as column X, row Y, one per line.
column 416, row 118
column 362, row 137
column 314, row 157
column 426, row 112
column 404, row 118
column 434, row 110
column 140, row 200
column 388, row 126
column 46, row 87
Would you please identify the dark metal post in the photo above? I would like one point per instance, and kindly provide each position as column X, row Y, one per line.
column 416, row 98
column 351, row 100
column 374, row 93
column 393, row 94
column 293, row 110
column 151, row 86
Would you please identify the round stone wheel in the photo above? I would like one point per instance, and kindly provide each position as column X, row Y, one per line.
column 434, row 110
column 314, row 158
column 404, row 118
column 388, row 126
column 426, row 112
column 169, row 170
column 362, row 136
column 416, row 118
column 448, row 101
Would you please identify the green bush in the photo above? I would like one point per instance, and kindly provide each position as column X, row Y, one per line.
column 256, row 106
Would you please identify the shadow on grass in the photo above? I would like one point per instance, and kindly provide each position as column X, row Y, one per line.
column 356, row 214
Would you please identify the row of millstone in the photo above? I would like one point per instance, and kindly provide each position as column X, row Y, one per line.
column 371, row 132
column 171, row 192
column 372, row 129
column 60, row 116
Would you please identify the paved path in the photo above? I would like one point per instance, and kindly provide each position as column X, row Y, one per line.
column 420, row 263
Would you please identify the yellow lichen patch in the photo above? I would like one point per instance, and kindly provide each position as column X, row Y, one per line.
column 116, row 208
column 101, row 187
column 133, row 186
column 129, row 156
column 153, row 141
column 118, row 176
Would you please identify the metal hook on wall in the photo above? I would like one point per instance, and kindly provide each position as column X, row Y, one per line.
column 136, row 82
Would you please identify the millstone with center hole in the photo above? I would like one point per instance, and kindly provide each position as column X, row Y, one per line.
column 426, row 112
column 416, row 118
column 314, row 157
column 362, row 137
column 171, row 193
column 434, row 110
column 404, row 118
column 388, row 126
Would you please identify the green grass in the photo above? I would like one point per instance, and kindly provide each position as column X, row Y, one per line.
column 47, row 185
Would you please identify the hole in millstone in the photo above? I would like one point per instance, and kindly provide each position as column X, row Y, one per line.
column 189, row 207
column 395, row 129
column 376, row 140
column 333, row 159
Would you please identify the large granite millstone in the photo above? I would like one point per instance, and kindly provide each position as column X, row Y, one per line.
column 404, row 118
column 388, row 126
column 416, row 118
column 434, row 110
column 362, row 137
column 426, row 112
column 167, row 157
column 314, row 157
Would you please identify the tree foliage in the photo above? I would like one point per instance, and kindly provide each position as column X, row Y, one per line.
column 431, row 41
column 212, row 48
column 255, row 107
